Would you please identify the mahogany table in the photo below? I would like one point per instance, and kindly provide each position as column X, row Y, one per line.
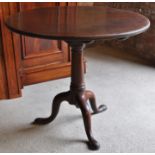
column 78, row 26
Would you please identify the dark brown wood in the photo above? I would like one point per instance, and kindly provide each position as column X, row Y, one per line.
column 109, row 23
column 77, row 95
column 81, row 30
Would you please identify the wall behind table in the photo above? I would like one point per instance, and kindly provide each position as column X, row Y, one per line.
column 142, row 45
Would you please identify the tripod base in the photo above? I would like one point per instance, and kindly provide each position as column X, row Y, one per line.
column 81, row 99
column 78, row 95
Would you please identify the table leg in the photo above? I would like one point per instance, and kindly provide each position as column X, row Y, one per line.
column 77, row 95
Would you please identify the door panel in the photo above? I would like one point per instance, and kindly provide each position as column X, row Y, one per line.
column 31, row 45
column 39, row 53
column 29, row 60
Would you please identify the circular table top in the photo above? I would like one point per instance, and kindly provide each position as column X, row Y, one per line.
column 78, row 23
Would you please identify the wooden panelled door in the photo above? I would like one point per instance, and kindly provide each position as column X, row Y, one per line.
column 30, row 60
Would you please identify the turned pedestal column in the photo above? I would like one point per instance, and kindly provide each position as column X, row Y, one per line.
column 77, row 95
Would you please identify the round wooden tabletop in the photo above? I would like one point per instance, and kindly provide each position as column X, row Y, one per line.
column 78, row 23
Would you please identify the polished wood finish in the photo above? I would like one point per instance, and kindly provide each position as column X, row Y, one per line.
column 109, row 23
column 77, row 95
column 81, row 30
column 27, row 60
